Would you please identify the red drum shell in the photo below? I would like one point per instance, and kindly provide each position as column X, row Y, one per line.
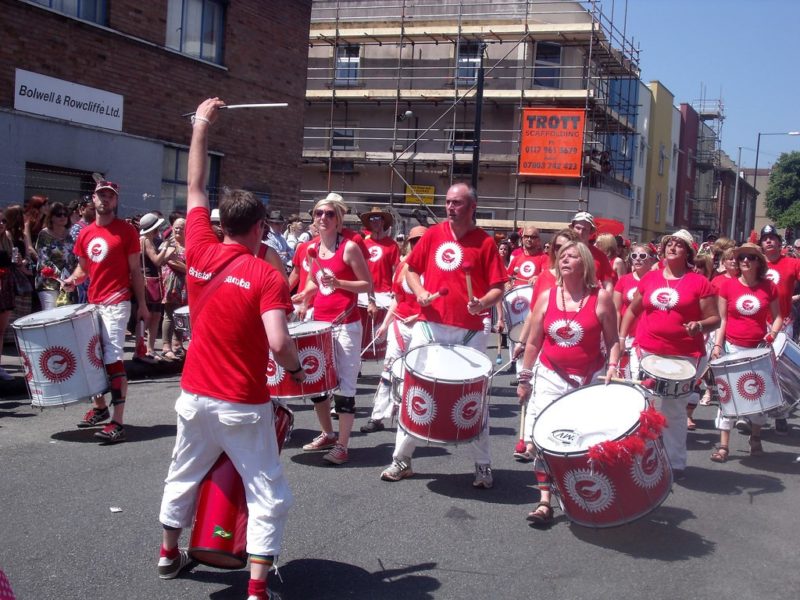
column 219, row 533
column 314, row 342
column 369, row 325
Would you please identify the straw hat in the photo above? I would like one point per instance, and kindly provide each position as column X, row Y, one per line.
column 387, row 217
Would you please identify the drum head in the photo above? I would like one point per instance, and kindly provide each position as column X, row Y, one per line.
column 53, row 315
column 300, row 329
column 779, row 345
column 588, row 416
column 671, row 368
column 183, row 310
column 444, row 362
column 398, row 369
column 745, row 356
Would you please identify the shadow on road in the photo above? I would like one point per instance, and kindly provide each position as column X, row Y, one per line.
column 133, row 433
column 729, row 483
column 510, row 487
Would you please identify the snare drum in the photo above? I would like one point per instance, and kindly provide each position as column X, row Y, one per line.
column 444, row 393
column 747, row 382
column 788, row 357
column 61, row 351
column 219, row 531
column 182, row 322
column 314, row 342
column 370, row 324
column 516, row 306
column 672, row 376
column 601, row 495
column 397, row 375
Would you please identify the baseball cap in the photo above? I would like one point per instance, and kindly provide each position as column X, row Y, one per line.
column 583, row 216
column 106, row 185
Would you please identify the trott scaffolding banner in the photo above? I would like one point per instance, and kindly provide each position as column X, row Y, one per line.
column 551, row 144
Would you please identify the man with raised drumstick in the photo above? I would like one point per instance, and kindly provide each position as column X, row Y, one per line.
column 224, row 403
column 108, row 253
column 457, row 255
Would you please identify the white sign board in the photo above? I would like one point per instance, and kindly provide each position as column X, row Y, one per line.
column 43, row 95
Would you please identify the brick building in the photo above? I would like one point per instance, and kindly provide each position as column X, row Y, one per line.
column 100, row 88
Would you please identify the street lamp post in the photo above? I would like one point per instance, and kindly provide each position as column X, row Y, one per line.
column 758, row 147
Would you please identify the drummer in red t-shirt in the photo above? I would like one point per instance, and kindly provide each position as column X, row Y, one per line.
column 745, row 304
column 224, row 404
column 563, row 350
column 453, row 318
column 625, row 290
column 109, row 254
column 384, row 254
column 583, row 225
column 528, row 264
column 675, row 307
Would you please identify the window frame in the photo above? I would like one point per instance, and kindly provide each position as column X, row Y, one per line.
column 468, row 61
column 100, row 9
column 176, row 40
column 466, row 143
column 212, row 177
column 350, row 66
column 545, row 79
column 336, row 142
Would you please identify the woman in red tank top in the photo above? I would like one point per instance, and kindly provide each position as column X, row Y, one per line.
column 338, row 274
column 567, row 325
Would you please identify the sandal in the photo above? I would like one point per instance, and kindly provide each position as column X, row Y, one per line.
column 755, row 446
column 541, row 517
column 690, row 424
column 720, row 455
column 169, row 355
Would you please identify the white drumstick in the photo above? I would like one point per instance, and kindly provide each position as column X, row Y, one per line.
column 261, row 105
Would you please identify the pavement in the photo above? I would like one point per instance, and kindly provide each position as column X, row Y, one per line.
column 727, row 530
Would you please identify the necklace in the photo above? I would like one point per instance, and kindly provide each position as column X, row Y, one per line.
column 571, row 320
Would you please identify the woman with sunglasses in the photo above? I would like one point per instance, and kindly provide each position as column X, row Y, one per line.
column 396, row 327
column 746, row 303
column 338, row 274
column 624, row 291
column 564, row 350
column 53, row 248
column 675, row 306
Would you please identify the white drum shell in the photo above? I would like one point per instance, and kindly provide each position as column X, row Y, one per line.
column 516, row 307
column 787, row 353
column 747, row 382
column 183, row 320
column 61, row 350
column 672, row 375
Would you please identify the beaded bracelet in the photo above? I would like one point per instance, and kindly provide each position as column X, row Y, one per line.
column 195, row 119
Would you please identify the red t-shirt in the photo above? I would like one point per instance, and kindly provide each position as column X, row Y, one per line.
column 334, row 305
column 105, row 250
column 300, row 261
column 405, row 298
column 228, row 356
column 667, row 306
column 748, row 310
column 384, row 256
column 440, row 257
column 602, row 267
column 545, row 281
column 784, row 273
column 522, row 267
column 572, row 339
column 627, row 286
column 354, row 236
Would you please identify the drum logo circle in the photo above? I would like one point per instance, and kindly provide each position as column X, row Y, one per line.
column 467, row 410
column 527, row 269
column 420, row 406
column 375, row 253
column 26, row 364
column 773, row 276
column 274, row 372
column 647, row 470
column 564, row 333
column 98, row 249
column 313, row 362
column 723, row 390
column 748, row 305
column 664, row 298
column 323, row 289
column 57, row 364
column 95, row 352
column 751, row 386
column 519, row 305
column 448, row 256
column 592, row 491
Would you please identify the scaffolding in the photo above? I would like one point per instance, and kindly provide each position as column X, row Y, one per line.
column 707, row 205
column 393, row 92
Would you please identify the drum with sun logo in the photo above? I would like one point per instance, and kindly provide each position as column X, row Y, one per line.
column 444, row 393
column 62, row 354
column 516, row 306
column 787, row 353
column 314, row 342
column 601, row 495
column 371, row 348
column 747, row 382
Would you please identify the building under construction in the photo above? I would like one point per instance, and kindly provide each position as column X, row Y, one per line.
column 406, row 96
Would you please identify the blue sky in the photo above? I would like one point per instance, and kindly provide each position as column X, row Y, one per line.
column 742, row 51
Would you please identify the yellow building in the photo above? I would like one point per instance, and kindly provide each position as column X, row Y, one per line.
column 659, row 201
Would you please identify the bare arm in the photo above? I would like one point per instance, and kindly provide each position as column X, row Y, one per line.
column 198, row 153
column 719, row 340
column 607, row 314
column 137, row 282
column 157, row 258
column 634, row 310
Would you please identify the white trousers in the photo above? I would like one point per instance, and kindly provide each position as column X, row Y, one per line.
column 382, row 408
column 113, row 320
column 246, row 433
column 445, row 334
column 347, row 354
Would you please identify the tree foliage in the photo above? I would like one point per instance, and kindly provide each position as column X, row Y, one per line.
column 783, row 193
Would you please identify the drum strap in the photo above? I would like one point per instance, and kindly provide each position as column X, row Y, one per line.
column 426, row 331
column 197, row 306
column 400, row 343
column 470, row 334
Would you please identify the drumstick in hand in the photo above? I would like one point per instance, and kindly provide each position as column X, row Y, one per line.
column 443, row 291
column 312, row 254
column 467, row 268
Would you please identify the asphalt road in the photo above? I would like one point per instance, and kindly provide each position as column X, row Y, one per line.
column 727, row 530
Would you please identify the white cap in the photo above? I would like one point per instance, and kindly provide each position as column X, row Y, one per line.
column 215, row 215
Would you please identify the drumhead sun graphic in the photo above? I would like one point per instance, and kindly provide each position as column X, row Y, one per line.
column 26, row 365
column 94, row 352
column 448, row 256
column 527, row 269
column 748, row 305
column 648, row 469
column 723, row 390
column 57, row 363
column 97, row 249
column 467, row 410
column 519, row 305
column 420, row 406
column 313, row 362
column 751, row 386
column 565, row 334
column 593, row 492
column 664, row 298
column 274, row 372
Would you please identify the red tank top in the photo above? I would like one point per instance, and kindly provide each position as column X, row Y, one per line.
column 572, row 339
column 406, row 300
column 334, row 304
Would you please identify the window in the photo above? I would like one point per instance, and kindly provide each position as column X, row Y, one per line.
column 661, row 159
column 88, row 10
column 196, row 28
column 343, row 166
column 547, row 65
column 638, row 212
column 59, row 184
column 348, row 58
column 658, row 207
column 468, row 63
column 173, row 179
column 642, row 148
column 343, row 138
column 671, row 205
column 462, row 140
column 674, row 157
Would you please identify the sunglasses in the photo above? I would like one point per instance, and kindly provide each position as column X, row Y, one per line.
column 319, row 213
column 639, row 255
column 747, row 257
column 376, row 218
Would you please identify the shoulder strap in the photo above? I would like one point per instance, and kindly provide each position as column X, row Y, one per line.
column 196, row 308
